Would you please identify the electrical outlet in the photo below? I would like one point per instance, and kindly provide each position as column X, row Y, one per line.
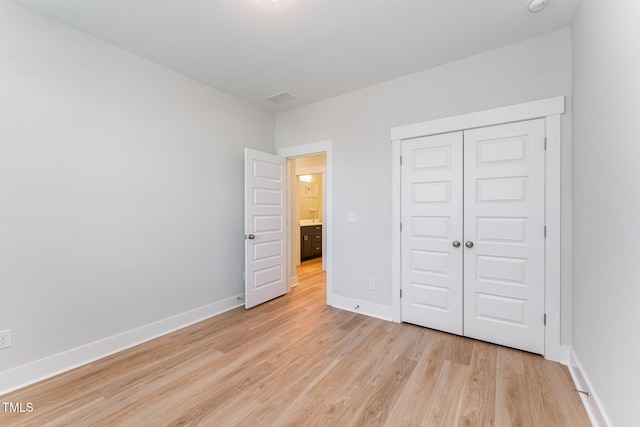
column 5, row 338
column 372, row 284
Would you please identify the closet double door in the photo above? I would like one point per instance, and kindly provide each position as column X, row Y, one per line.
column 473, row 233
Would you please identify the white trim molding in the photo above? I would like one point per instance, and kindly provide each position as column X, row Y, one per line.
column 383, row 312
column 396, row 242
column 309, row 149
column 30, row 373
column 552, row 249
column 549, row 109
column 591, row 402
column 495, row 116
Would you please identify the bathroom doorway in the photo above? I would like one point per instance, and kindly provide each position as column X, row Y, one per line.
column 308, row 211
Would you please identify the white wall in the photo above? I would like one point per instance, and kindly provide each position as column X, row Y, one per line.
column 606, row 220
column 120, row 189
column 359, row 124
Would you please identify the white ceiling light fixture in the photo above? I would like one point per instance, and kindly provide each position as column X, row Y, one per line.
column 537, row 5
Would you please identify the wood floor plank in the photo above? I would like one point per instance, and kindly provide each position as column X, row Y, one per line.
column 197, row 383
column 300, row 414
column 513, row 403
column 378, row 403
column 417, row 394
column 347, row 377
column 563, row 392
column 446, row 404
column 399, row 345
column 539, row 391
column 294, row 361
column 230, row 413
column 460, row 350
column 278, row 392
column 478, row 399
column 359, row 331
column 205, row 403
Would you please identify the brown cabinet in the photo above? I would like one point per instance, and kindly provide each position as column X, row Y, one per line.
column 310, row 242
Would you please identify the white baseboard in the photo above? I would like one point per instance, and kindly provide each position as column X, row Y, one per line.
column 370, row 309
column 592, row 403
column 293, row 281
column 50, row 366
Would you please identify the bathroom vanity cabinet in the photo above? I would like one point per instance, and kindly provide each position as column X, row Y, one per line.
column 310, row 241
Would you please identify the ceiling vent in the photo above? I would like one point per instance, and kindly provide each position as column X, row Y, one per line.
column 281, row 97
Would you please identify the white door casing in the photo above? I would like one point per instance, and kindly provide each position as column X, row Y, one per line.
column 504, row 207
column 432, row 222
column 265, row 222
column 313, row 148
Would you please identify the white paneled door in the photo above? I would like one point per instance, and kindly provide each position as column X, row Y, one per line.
column 432, row 232
column 265, row 209
column 504, row 221
column 473, row 233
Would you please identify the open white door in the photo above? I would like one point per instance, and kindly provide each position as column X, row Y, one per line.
column 265, row 225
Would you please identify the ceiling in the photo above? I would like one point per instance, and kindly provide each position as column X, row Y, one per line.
column 314, row 49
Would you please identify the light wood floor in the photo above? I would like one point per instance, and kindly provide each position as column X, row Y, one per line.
column 295, row 361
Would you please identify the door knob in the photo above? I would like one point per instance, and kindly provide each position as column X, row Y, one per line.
column 469, row 244
column 456, row 244
column 251, row 236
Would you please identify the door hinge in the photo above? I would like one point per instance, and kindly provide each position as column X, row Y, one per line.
column 545, row 231
column 400, row 293
column 400, row 226
column 400, row 160
column 545, row 143
column 545, row 319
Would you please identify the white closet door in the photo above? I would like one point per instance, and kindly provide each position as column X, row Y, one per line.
column 432, row 222
column 504, row 221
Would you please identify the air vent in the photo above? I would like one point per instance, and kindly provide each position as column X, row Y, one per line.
column 281, row 97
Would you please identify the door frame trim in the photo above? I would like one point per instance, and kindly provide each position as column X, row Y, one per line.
column 550, row 109
column 310, row 149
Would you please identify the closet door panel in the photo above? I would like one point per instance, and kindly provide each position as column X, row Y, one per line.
column 432, row 221
column 504, row 220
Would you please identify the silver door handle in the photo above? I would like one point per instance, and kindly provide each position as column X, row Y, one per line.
column 469, row 244
column 250, row 236
column 456, row 244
